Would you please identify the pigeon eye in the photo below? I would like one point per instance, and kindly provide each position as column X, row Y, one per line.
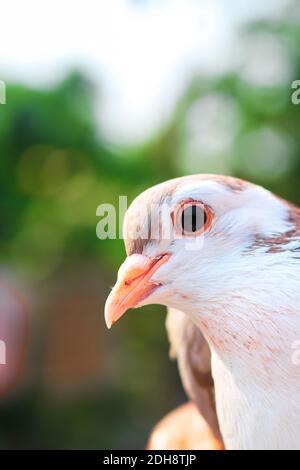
column 192, row 218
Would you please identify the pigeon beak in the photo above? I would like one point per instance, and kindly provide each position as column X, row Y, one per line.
column 133, row 285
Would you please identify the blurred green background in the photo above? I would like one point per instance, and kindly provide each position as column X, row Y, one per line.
column 68, row 383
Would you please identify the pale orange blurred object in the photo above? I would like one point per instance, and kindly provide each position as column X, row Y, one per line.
column 184, row 429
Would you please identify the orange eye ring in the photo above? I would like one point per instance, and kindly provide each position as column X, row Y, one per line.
column 199, row 218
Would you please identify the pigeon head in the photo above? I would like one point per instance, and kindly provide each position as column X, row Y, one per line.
column 200, row 244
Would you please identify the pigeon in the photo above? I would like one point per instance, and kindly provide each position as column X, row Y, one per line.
column 223, row 255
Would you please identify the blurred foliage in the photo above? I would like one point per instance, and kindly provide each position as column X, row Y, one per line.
column 55, row 169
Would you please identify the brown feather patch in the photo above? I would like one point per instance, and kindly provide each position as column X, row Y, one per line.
column 278, row 243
